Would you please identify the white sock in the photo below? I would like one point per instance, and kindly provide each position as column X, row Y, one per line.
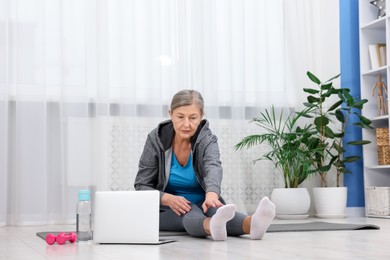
column 218, row 221
column 262, row 218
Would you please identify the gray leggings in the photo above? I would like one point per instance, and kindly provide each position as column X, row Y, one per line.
column 192, row 222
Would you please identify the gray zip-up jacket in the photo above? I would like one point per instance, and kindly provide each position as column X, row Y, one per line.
column 155, row 161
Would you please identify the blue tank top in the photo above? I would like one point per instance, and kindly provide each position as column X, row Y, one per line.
column 183, row 182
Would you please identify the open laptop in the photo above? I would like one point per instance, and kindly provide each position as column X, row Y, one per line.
column 127, row 217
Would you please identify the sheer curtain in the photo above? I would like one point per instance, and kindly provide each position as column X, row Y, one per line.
column 83, row 82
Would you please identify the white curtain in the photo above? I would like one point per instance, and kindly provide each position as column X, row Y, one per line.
column 82, row 82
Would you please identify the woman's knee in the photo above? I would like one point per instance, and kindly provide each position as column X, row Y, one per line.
column 194, row 226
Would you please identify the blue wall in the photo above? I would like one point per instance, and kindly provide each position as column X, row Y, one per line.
column 350, row 78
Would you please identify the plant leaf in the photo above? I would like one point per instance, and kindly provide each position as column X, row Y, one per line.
column 312, row 99
column 339, row 115
column 350, row 159
column 364, row 120
column 324, row 168
column 313, row 78
column 321, row 121
column 335, row 105
column 361, row 142
column 327, row 86
column 363, row 125
column 328, row 132
column 308, row 105
column 333, row 78
column 338, row 135
column 359, row 104
column 311, row 91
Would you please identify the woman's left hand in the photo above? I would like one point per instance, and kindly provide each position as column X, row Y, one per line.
column 211, row 201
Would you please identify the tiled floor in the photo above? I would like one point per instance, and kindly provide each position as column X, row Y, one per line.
column 22, row 243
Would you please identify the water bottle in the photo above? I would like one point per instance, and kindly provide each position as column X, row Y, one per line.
column 83, row 216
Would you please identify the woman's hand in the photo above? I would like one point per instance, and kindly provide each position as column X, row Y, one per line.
column 178, row 204
column 212, row 200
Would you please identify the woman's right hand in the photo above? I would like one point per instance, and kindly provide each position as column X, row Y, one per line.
column 178, row 204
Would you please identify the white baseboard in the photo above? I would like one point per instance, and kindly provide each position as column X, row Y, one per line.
column 356, row 212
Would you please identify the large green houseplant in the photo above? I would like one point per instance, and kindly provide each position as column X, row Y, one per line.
column 327, row 105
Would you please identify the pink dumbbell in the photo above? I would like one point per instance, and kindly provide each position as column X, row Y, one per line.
column 61, row 238
column 50, row 238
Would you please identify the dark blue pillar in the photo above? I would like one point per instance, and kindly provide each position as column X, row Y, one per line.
column 350, row 78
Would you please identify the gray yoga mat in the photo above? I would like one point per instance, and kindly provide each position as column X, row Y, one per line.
column 302, row 227
column 318, row 226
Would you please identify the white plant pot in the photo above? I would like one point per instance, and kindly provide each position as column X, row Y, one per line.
column 330, row 202
column 291, row 203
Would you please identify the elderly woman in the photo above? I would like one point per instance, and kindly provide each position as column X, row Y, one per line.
column 181, row 160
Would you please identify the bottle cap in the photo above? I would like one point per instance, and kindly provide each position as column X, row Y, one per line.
column 84, row 195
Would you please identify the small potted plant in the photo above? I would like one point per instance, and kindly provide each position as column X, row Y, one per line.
column 292, row 149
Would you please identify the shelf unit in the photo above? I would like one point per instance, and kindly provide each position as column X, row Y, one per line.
column 373, row 30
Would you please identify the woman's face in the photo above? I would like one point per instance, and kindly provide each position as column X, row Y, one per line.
column 186, row 120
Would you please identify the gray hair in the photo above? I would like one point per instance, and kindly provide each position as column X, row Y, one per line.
column 187, row 97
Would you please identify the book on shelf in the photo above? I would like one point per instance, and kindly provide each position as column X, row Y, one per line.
column 382, row 55
column 377, row 54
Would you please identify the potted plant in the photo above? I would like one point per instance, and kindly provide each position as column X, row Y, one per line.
column 343, row 110
column 292, row 149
